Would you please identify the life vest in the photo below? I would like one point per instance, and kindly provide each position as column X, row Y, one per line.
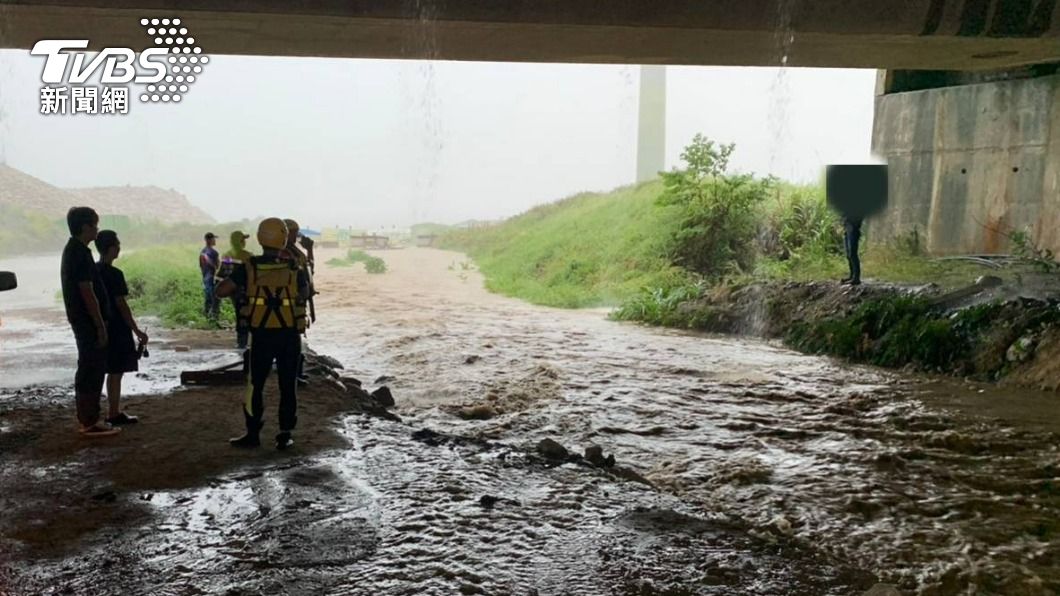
column 272, row 295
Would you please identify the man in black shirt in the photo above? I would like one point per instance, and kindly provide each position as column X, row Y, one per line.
column 86, row 302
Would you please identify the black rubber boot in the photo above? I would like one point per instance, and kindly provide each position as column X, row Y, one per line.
column 250, row 438
column 247, row 441
column 284, row 440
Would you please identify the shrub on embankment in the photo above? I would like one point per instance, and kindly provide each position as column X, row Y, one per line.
column 165, row 281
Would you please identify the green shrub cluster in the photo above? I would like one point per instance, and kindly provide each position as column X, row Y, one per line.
column 719, row 212
column 374, row 265
column 662, row 305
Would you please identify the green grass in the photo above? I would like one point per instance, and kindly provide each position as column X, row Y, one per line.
column 879, row 262
column 591, row 249
column 165, row 281
column 607, row 249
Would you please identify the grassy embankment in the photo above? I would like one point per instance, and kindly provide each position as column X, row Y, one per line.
column 614, row 249
column 683, row 252
column 587, row 250
column 165, row 281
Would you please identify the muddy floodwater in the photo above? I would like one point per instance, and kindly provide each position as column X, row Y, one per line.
column 740, row 467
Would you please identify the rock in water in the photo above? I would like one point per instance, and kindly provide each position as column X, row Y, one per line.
column 550, row 449
column 383, row 397
column 594, row 454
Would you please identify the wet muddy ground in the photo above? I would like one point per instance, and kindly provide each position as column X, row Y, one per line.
column 742, row 468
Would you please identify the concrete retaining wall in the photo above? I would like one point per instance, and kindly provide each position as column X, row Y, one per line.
column 971, row 164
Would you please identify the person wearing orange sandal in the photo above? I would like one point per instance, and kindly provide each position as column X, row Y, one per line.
column 85, row 300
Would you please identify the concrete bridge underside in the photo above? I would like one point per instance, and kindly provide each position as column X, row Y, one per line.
column 967, row 109
column 887, row 34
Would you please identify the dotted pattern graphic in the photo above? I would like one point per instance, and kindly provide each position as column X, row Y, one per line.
column 185, row 60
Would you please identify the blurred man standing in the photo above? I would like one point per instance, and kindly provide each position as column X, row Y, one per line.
column 209, row 263
column 851, row 240
column 85, row 299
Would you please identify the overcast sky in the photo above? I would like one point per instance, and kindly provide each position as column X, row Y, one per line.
column 372, row 143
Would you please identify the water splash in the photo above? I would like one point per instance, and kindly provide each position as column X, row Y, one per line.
column 425, row 113
column 780, row 90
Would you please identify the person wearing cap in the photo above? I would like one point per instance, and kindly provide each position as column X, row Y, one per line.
column 209, row 263
column 234, row 258
column 122, row 353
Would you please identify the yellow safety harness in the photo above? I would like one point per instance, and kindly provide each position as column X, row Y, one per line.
column 272, row 295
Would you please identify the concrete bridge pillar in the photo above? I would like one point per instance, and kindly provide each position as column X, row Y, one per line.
column 651, row 129
column 974, row 157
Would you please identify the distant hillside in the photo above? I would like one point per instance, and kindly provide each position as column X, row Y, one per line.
column 21, row 191
column 26, row 193
column 34, row 214
column 142, row 202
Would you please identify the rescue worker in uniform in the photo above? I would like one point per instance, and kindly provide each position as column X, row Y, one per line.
column 275, row 315
column 305, row 292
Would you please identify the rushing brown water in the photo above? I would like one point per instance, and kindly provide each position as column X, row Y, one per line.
column 772, row 472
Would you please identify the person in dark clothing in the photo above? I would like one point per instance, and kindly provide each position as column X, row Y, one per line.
column 234, row 258
column 851, row 239
column 275, row 314
column 209, row 262
column 122, row 353
column 305, row 293
column 85, row 299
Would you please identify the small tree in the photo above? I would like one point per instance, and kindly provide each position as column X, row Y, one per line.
column 717, row 232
